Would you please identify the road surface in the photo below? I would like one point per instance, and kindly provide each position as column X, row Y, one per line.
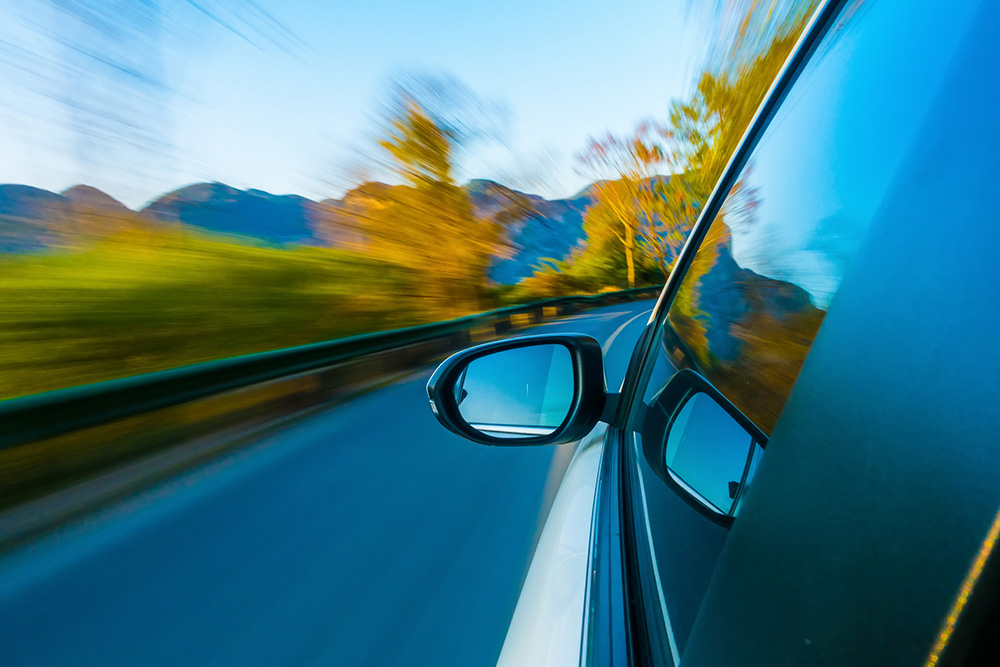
column 364, row 534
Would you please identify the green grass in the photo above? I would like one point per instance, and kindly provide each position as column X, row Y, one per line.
column 147, row 301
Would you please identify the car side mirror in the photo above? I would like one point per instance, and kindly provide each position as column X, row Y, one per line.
column 531, row 390
column 706, row 450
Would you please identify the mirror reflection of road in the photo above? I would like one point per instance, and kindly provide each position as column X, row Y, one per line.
column 365, row 534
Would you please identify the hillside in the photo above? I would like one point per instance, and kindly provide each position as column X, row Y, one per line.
column 553, row 230
column 223, row 209
column 33, row 219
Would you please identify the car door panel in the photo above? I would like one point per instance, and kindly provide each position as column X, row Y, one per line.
column 751, row 302
column 860, row 543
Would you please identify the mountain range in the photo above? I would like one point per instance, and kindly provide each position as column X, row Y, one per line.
column 32, row 219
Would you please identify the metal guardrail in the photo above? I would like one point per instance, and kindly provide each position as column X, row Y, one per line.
column 32, row 418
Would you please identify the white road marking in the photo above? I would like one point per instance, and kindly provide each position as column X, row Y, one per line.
column 611, row 339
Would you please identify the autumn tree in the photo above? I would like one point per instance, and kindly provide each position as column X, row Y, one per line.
column 629, row 166
column 673, row 211
column 659, row 178
column 645, row 211
column 428, row 223
column 708, row 127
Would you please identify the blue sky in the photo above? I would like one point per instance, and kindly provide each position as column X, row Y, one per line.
column 199, row 102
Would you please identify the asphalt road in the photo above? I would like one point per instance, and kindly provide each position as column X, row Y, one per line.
column 364, row 534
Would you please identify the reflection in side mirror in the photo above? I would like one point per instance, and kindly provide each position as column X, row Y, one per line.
column 708, row 452
column 532, row 390
column 519, row 392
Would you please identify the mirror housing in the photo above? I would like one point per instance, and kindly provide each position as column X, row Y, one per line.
column 709, row 450
column 586, row 407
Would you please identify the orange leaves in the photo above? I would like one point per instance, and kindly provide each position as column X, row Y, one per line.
column 428, row 225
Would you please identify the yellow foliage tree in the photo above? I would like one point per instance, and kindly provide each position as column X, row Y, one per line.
column 428, row 223
column 625, row 207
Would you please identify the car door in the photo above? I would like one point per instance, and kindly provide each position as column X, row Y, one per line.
column 819, row 556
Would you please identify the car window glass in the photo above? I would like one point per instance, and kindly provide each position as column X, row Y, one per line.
column 755, row 295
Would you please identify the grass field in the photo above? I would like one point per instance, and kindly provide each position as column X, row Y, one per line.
column 151, row 300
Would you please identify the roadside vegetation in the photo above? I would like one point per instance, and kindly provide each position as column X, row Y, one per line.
column 141, row 302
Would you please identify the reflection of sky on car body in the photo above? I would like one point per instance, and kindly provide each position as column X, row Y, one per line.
column 841, row 157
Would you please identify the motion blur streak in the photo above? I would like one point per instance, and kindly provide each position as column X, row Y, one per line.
column 363, row 535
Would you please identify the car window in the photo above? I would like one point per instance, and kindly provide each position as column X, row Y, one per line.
column 754, row 297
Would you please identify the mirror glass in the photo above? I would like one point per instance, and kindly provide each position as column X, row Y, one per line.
column 517, row 393
column 708, row 451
